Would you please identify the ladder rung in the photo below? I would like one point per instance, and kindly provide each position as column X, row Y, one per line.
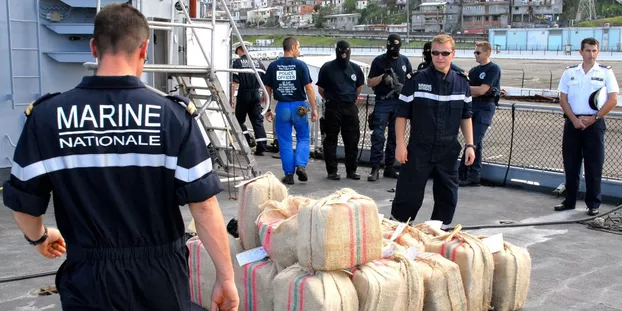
column 229, row 179
column 24, row 21
column 197, row 87
column 160, row 28
column 24, row 49
column 240, row 70
column 210, row 109
column 199, row 96
column 27, row 77
column 167, row 24
column 218, row 128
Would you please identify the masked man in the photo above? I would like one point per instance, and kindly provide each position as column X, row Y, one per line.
column 339, row 83
column 386, row 77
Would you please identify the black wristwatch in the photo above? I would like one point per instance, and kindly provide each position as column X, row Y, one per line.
column 469, row 145
column 40, row 240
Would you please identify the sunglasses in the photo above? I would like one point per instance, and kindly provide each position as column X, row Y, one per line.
column 444, row 53
column 477, row 52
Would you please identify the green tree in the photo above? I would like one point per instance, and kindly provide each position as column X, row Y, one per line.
column 349, row 6
column 320, row 16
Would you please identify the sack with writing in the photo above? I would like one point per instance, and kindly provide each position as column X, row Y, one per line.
column 339, row 231
column 252, row 195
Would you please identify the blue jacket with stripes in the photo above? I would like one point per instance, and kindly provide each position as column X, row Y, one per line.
column 119, row 160
column 435, row 104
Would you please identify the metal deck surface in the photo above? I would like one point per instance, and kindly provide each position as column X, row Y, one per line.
column 573, row 268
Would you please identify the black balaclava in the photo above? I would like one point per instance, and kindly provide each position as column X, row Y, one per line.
column 394, row 42
column 343, row 47
column 427, row 52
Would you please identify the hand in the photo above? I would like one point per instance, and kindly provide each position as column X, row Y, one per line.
column 587, row 120
column 469, row 153
column 578, row 124
column 233, row 102
column 225, row 296
column 401, row 154
column 54, row 246
column 314, row 116
column 269, row 116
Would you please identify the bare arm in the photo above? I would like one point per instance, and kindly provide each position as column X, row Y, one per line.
column 30, row 225
column 400, row 131
column 477, row 91
column 466, row 125
column 210, row 226
column 563, row 103
column 373, row 82
column 612, row 101
column 234, row 89
column 311, row 96
column 321, row 91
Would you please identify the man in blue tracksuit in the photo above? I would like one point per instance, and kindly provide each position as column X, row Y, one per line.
column 386, row 76
column 290, row 82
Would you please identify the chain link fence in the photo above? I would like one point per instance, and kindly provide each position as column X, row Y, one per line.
column 521, row 135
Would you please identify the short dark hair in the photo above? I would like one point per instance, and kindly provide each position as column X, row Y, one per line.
column 119, row 28
column 289, row 43
column 588, row 41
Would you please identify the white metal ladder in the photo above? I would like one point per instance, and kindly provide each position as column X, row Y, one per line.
column 13, row 51
column 234, row 157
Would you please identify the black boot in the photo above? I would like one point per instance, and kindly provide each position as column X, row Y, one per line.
column 302, row 173
column 390, row 172
column 288, row 179
column 374, row 175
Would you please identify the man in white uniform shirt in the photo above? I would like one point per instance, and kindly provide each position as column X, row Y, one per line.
column 584, row 128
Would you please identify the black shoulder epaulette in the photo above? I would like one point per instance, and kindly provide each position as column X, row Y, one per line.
column 190, row 107
column 604, row 66
column 575, row 66
column 463, row 74
column 412, row 74
column 38, row 101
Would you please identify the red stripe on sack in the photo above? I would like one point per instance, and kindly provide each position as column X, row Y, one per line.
column 290, row 293
column 352, row 237
column 455, row 251
column 242, row 218
column 364, row 234
column 245, row 283
column 191, row 271
column 254, row 285
column 199, row 245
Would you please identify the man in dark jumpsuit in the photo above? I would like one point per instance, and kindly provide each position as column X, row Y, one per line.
column 485, row 81
column 120, row 161
column 339, row 83
column 385, row 68
column 437, row 101
column 427, row 58
column 248, row 101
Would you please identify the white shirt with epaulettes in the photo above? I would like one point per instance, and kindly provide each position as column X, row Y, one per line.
column 580, row 85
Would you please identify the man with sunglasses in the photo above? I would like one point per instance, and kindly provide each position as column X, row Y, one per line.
column 437, row 100
column 386, row 76
column 485, row 81
column 427, row 58
column 340, row 81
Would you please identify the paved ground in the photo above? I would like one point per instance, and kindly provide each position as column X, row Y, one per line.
column 574, row 268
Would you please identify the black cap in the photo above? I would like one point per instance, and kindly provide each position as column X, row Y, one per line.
column 427, row 45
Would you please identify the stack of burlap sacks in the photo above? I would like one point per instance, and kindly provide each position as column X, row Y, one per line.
column 337, row 253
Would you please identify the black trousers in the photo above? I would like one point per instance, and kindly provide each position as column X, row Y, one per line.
column 341, row 117
column 587, row 145
column 413, row 177
column 141, row 279
column 249, row 103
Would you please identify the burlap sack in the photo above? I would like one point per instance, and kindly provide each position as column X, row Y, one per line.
column 254, row 285
column 339, row 232
column 278, row 229
column 407, row 238
column 377, row 286
column 202, row 272
column 511, row 278
column 410, row 294
column 390, row 248
column 252, row 195
column 299, row 289
column 476, row 265
column 442, row 282
column 431, row 232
